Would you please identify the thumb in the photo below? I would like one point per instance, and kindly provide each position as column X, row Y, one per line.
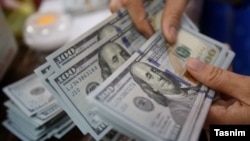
column 171, row 18
column 232, row 84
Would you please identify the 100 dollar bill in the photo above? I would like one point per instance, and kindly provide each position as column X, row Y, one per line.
column 101, row 43
column 127, row 39
column 116, row 24
column 29, row 95
column 39, row 119
column 146, row 97
column 93, row 66
column 44, row 72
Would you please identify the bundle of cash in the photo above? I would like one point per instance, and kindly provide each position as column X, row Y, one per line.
column 33, row 113
column 148, row 99
column 112, row 79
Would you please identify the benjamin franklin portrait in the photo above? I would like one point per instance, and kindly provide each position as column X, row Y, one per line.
column 165, row 89
column 111, row 57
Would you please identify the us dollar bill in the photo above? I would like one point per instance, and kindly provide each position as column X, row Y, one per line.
column 198, row 125
column 44, row 72
column 114, row 25
column 39, row 119
column 93, row 66
column 15, row 130
column 80, row 53
column 202, row 113
column 148, row 98
column 188, row 44
column 63, row 130
column 194, row 135
column 37, row 133
column 228, row 59
column 129, row 39
column 154, row 11
column 29, row 95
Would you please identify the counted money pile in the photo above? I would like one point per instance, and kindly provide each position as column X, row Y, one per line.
column 113, row 79
column 33, row 113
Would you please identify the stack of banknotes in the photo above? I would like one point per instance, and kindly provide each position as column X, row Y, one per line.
column 112, row 79
column 33, row 113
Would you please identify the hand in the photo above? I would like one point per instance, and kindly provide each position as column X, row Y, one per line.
column 235, row 107
column 137, row 13
column 170, row 20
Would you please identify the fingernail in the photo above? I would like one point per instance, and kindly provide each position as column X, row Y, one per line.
column 173, row 33
column 194, row 64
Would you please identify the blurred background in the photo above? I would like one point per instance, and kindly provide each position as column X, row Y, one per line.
column 228, row 21
column 224, row 20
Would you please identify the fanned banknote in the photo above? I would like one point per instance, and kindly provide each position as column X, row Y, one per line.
column 208, row 100
column 45, row 71
column 106, row 50
column 146, row 95
column 93, row 67
column 116, row 24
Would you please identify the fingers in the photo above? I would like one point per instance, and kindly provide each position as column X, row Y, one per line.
column 115, row 5
column 137, row 12
column 232, row 112
column 170, row 22
column 172, row 17
column 234, row 85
